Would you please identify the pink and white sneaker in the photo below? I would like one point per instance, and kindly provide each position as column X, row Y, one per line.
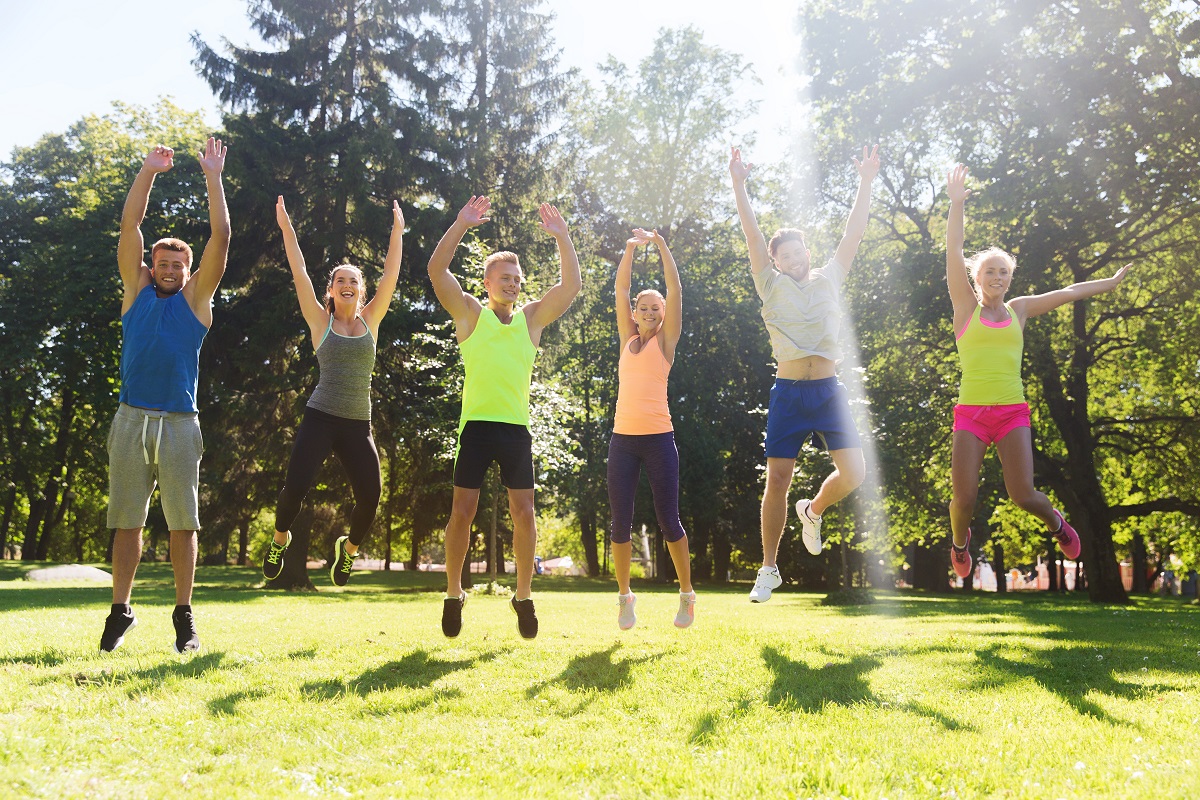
column 1068, row 539
column 961, row 559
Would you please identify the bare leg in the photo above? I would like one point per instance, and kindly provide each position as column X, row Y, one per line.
column 965, row 460
column 183, row 564
column 458, row 536
column 774, row 506
column 683, row 564
column 520, row 508
column 622, row 553
column 127, row 552
column 849, row 470
column 1016, row 460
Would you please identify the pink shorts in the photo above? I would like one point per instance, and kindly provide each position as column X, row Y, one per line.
column 990, row 424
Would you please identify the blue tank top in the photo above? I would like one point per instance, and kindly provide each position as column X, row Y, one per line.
column 160, row 353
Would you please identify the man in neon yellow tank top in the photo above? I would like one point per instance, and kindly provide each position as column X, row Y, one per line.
column 499, row 343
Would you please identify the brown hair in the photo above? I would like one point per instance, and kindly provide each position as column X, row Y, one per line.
column 174, row 245
column 976, row 261
column 362, row 287
column 784, row 235
column 499, row 257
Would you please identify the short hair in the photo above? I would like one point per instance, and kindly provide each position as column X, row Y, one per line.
column 174, row 245
column 976, row 261
column 784, row 235
column 498, row 258
column 362, row 287
column 653, row 292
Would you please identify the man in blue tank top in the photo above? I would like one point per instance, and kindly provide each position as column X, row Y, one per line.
column 155, row 437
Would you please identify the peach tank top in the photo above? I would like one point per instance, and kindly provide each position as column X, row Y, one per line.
column 642, row 390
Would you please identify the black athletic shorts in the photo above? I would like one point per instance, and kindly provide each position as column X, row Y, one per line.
column 481, row 443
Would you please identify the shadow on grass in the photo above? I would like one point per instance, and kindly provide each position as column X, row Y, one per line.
column 227, row 706
column 704, row 732
column 46, row 657
column 148, row 679
column 417, row 670
column 597, row 671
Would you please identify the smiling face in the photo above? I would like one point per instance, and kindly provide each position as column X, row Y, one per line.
column 347, row 290
column 502, row 279
column 790, row 254
column 992, row 271
column 649, row 310
column 170, row 268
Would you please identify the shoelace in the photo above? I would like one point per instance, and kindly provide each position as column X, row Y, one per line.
column 347, row 564
column 275, row 553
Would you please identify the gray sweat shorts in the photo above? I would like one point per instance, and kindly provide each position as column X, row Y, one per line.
column 148, row 447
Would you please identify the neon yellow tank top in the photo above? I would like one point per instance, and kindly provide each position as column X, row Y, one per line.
column 989, row 354
column 498, row 360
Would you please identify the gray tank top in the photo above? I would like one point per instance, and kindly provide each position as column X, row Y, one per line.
column 346, row 362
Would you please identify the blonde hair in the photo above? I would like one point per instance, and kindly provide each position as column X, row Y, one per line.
column 644, row 292
column 502, row 256
column 362, row 287
column 975, row 262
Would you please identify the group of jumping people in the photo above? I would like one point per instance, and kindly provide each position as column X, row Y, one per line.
column 167, row 310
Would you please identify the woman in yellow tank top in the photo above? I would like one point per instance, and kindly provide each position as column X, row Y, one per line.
column 991, row 402
column 642, row 433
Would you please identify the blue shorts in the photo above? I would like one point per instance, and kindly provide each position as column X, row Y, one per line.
column 816, row 411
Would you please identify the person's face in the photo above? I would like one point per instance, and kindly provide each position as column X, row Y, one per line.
column 170, row 271
column 791, row 258
column 649, row 312
column 994, row 277
column 346, row 288
column 503, row 282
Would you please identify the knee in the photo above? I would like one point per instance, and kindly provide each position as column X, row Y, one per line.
column 620, row 537
column 522, row 513
column 289, row 497
column 963, row 502
column 677, row 534
column 779, row 481
column 1025, row 499
column 854, row 472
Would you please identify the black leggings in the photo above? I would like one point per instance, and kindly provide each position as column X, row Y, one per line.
column 350, row 440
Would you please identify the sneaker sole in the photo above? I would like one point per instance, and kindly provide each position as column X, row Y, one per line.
column 175, row 647
column 337, row 560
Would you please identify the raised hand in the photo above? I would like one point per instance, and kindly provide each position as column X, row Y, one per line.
column 552, row 221
column 868, row 168
column 212, row 160
column 160, row 159
column 738, row 168
column 1120, row 276
column 475, row 212
column 281, row 215
column 956, row 184
column 397, row 215
column 640, row 237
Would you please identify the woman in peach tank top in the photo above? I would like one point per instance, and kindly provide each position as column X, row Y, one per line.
column 642, row 433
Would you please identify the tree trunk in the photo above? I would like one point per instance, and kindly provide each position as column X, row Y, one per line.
column 467, row 581
column 930, row 567
column 1137, row 552
column 587, row 535
column 1052, row 564
column 722, row 553
column 998, row 567
column 294, row 575
column 664, row 567
column 243, row 557
column 9, row 505
column 846, row 582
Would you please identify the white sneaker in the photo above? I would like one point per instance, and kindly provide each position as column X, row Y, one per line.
column 687, row 610
column 626, row 619
column 768, row 579
column 810, row 528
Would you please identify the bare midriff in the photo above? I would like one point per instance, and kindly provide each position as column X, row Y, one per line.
column 809, row 368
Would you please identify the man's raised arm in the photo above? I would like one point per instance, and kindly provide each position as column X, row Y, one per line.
column 856, row 226
column 760, row 259
column 447, row 288
column 558, row 298
column 131, row 246
column 216, row 251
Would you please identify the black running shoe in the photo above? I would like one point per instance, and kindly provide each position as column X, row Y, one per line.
column 343, row 562
column 526, row 617
column 115, row 627
column 452, row 615
column 273, row 563
column 186, row 639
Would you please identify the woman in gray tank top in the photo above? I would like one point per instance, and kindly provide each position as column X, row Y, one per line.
column 337, row 418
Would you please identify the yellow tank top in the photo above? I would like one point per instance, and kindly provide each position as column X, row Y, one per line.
column 642, row 390
column 989, row 354
column 498, row 362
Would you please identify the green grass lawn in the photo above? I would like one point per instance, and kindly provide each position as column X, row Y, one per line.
column 355, row 693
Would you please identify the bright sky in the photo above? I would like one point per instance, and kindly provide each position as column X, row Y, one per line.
column 68, row 58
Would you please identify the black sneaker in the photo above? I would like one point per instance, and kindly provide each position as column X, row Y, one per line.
column 343, row 562
column 116, row 626
column 452, row 615
column 186, row 639
column 273, row 563
column 526, row 617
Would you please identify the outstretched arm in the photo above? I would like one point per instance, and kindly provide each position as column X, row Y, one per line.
column 216, row 252
column 447, row 288
column 860, row 212
column 375, row 311
column 131, row 245
column 962, row 296
column 673, row 324
column 760, row 259
column 558, row 298
column 626, row 327
column 1033, row 305
column 310, row 307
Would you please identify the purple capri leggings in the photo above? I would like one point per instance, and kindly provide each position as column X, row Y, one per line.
column 626, row 456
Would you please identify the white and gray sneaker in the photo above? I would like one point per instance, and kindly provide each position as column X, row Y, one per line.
column 767, row 580
column 810, row 526
column 626, row 619
column 687, row 610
